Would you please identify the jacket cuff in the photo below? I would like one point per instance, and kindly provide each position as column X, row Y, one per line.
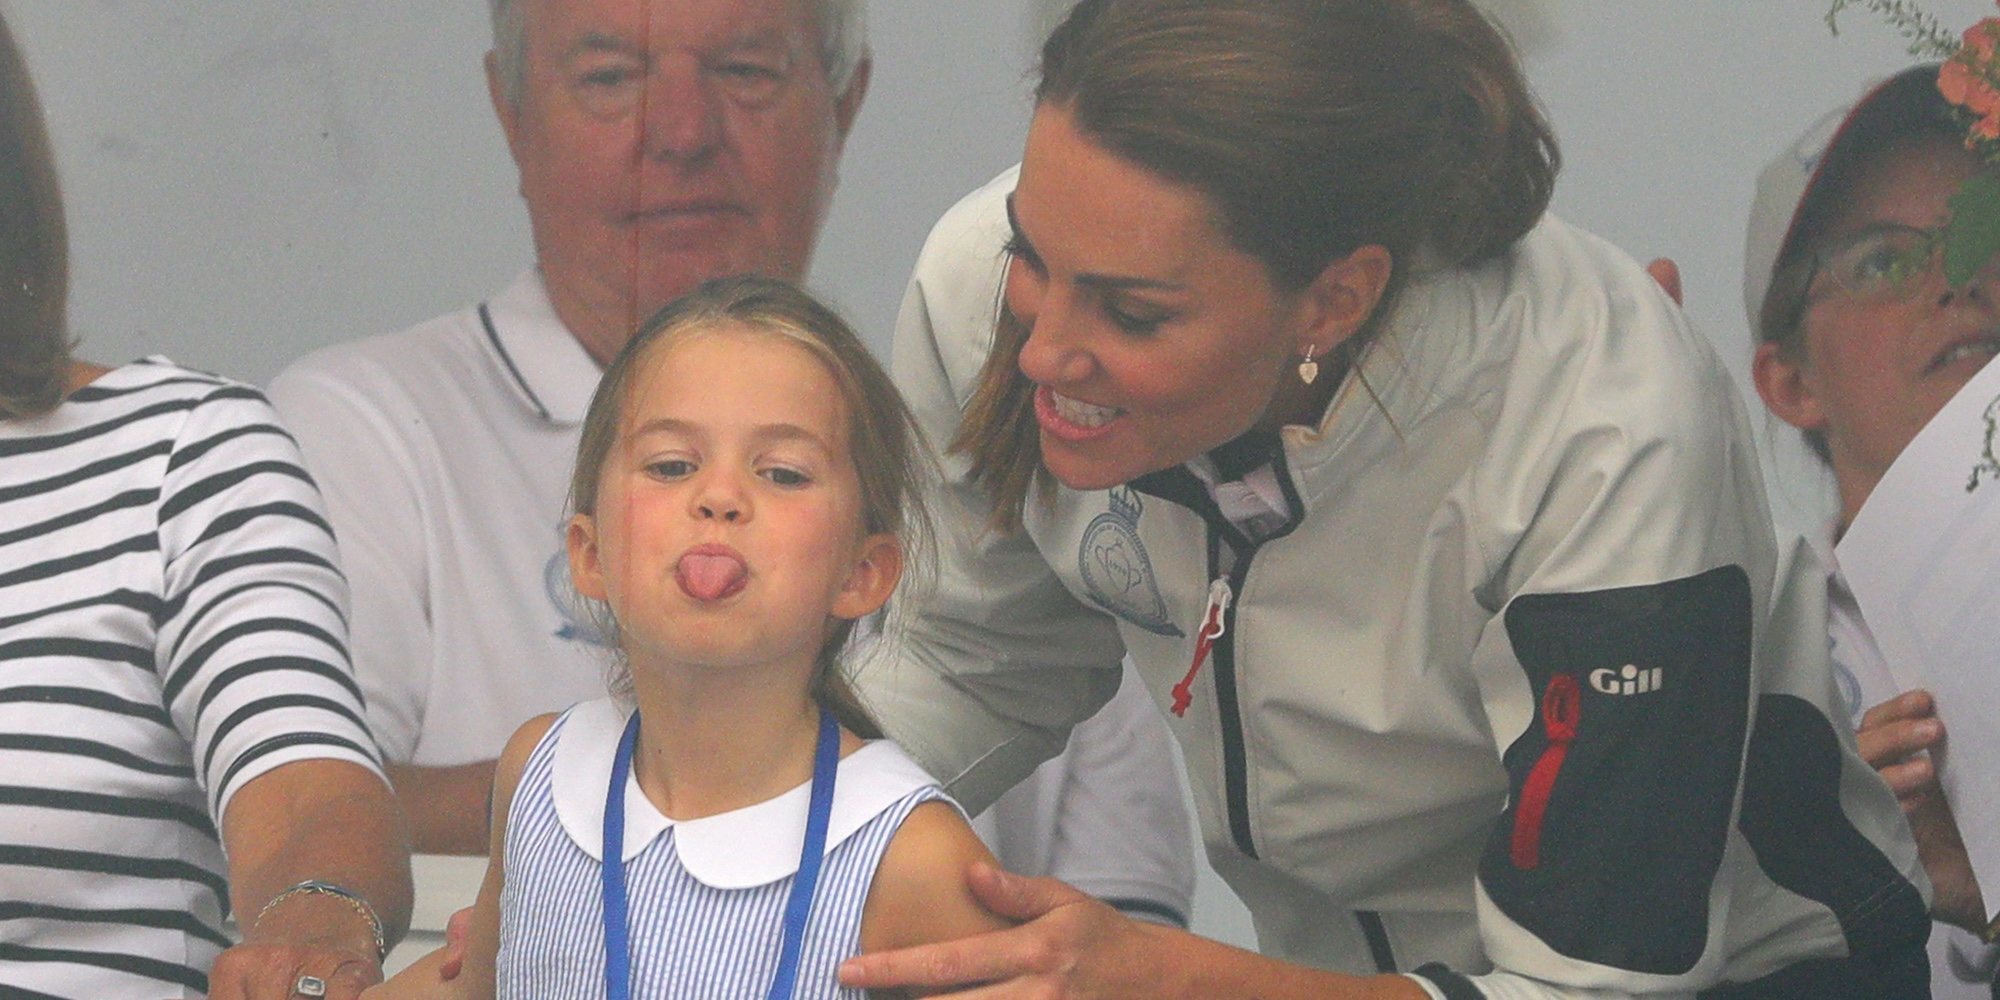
column 1447, row 983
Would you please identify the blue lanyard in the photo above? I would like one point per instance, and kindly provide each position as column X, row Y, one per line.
column 798, row 906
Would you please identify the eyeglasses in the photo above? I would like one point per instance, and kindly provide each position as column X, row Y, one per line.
column 1884, row 263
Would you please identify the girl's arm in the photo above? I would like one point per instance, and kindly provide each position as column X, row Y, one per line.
column 430, row 978
column 920, row 894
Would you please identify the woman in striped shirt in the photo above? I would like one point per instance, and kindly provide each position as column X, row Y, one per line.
column 180, row 735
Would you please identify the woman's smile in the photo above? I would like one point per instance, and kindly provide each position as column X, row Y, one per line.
column 1072, row 419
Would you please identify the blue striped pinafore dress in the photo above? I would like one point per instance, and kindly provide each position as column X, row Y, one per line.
column 706, row 896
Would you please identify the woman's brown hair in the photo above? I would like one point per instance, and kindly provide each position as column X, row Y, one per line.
column 34, row 249
column 890, row 456
column 1314, row 127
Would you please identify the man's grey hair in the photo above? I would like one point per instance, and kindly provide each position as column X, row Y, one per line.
column 843, row 42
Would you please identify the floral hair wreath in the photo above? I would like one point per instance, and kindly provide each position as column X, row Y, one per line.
column 1969, row 79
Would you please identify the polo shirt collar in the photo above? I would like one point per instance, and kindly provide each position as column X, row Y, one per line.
column 545, row 365
column 1823, row 544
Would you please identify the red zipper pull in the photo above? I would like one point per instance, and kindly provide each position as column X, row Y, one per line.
column 1562, row 712
column 1212, row 627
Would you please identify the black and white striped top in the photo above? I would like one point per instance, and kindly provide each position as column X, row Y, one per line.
column 172, row 625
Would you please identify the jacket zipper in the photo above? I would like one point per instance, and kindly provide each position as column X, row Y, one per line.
column 1178, row 486
column 1377, row 935
column 1562, row 711
column 1213, row 626
column 1235, row 764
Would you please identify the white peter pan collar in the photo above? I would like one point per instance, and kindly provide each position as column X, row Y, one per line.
column 547, row 366
column 752, row 846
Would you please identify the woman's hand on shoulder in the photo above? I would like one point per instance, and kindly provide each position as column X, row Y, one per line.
column 920, row 893
column 1073, row 947
column 1070, row 945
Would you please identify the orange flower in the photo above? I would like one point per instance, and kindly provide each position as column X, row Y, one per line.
column 1980, row 39
column 1954, row 81
column 1981, row 99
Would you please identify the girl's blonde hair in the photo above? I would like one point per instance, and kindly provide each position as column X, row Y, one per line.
column 891, row 459
column 1314, row 128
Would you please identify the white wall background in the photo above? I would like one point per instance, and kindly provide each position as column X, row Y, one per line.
column 249, row 179
column 1667, row 110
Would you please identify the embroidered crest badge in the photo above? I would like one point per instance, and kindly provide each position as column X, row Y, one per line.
column 1116, row 570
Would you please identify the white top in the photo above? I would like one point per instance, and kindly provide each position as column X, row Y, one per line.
column 1861, row 676
column 171, row 628
column 705, row 896
column 444, row 452
column 1962, row 966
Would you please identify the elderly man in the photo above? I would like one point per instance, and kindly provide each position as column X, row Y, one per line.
column 659, row 144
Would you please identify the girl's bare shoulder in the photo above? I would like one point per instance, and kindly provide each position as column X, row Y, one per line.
column 920, row 893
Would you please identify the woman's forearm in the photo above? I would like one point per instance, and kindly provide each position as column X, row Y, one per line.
column 1210, row 970
column 320, row 820
column 1074, row 946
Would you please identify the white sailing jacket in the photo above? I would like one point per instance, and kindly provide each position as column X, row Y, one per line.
column 1480, row 713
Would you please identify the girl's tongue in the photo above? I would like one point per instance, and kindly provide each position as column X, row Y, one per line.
column 711, row 576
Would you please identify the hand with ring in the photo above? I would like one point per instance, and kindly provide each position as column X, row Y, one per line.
column 295, row 952
column 261, row 971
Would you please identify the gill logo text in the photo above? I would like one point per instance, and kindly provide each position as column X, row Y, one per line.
column 1629, row 679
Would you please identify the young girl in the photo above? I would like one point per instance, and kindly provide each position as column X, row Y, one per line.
column 744, row 479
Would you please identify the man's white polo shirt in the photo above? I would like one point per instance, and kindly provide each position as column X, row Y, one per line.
column 444, row 452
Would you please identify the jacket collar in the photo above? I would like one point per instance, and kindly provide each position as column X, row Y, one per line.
column 545, row 365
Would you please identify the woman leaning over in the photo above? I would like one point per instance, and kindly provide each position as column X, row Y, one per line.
column 178, row 728
column 1425, row 517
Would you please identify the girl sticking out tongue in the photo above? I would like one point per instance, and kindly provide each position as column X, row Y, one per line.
column 730, row 823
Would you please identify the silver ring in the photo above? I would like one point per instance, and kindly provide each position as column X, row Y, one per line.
column 309, row 986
